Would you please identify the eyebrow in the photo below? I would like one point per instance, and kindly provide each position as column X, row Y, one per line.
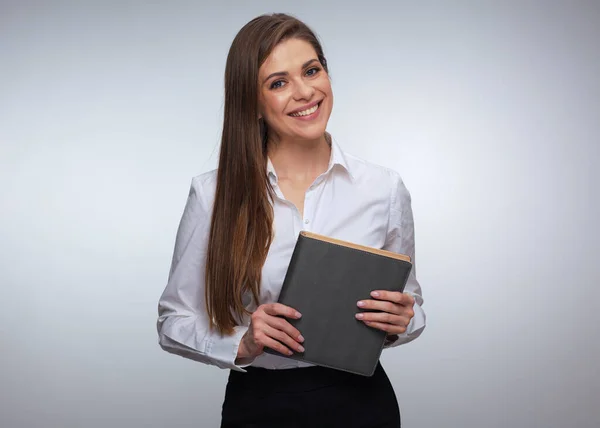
column 285, row 73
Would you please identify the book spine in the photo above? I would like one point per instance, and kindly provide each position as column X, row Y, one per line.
column 406, row 275
column 292, row 266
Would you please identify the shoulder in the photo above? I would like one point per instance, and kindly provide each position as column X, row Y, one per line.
column 368, row 173
column 203, row 187
column 206, row 180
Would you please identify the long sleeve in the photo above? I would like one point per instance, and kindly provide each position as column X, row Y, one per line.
column 182, row 320
column 401, row 239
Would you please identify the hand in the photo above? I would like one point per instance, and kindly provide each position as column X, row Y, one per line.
column 268, row 329
column 396, row 311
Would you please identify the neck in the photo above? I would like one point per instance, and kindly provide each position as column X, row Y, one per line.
column 302, row 160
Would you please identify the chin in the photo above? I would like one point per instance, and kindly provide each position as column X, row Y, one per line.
column 312, row 131
column 313, row 134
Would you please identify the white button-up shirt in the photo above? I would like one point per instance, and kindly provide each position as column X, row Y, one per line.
column 353, row 200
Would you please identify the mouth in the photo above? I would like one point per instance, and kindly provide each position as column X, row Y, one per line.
column 307, row 112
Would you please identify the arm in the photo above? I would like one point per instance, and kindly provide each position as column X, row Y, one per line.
column 182, row 321
column 401, row 239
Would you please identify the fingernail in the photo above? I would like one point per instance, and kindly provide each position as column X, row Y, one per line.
column 298, row 314
column 300, row 349
column 361, row 304
column 360, row 316
column 300, row 338
column 375, row 294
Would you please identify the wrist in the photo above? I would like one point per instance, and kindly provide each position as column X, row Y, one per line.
column 242, row 351
column 244, row 356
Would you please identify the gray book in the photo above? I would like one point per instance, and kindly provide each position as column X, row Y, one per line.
column 324, row 281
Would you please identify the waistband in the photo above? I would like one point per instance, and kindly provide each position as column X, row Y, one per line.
column 297, row 379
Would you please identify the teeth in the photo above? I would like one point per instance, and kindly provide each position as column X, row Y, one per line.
column 306, row 112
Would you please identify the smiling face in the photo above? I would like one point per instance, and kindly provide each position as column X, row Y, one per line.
column 295, row 97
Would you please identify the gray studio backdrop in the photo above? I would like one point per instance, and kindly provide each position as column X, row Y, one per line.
column 489, row 110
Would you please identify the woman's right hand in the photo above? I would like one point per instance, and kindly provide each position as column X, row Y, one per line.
column 268, row 329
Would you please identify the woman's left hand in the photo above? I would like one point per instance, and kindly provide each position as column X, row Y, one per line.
column 396, row 311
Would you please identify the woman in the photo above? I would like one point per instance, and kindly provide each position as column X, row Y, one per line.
column 280, row 172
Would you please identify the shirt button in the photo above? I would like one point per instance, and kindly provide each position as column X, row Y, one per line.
column 306, row 221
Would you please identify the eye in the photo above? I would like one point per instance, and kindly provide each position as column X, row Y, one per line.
column 312, row 71
column 277, row 84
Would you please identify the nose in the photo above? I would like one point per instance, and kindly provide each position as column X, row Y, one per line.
column 303, row 90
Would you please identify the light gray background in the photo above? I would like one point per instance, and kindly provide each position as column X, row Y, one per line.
column 489, row 110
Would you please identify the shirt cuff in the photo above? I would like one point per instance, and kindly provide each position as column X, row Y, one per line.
column 223, row 350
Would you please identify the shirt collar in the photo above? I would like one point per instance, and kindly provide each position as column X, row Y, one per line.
column 337, row 158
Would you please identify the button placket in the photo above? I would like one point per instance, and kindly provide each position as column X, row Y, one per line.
column 307, row 206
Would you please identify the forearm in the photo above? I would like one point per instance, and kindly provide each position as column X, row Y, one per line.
column 189, row 338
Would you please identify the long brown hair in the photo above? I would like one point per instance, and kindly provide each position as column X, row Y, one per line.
column 242, row 221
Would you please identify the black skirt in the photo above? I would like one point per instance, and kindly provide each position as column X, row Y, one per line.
column 309, row 397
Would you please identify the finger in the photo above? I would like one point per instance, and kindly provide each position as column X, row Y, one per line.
column 263, row 339
column 283, row 338
column 389, row 328
column 276, row 346
column 380, row 305
column 383, row 317
column 262, row 319
column 283, row 325
column 404, row 299
column 276, row 309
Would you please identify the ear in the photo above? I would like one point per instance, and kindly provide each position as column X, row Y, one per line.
column 259, row 106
